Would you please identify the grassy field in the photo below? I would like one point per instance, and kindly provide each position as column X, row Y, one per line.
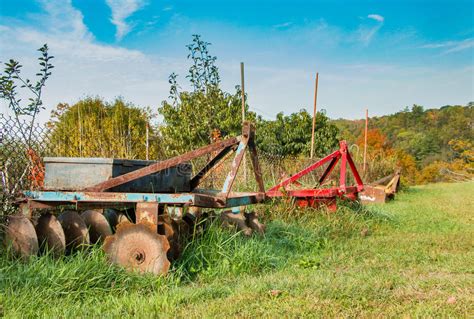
column 410, row 258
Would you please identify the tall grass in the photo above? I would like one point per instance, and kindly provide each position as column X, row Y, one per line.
column 408, row 258
column 216, row 254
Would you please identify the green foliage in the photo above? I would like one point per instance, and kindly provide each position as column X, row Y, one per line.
column 463, row 149
column 189, row 124
column 94, row 128
column 190, row 118
column 203, row 73
column 11, row 78
column 426, row 144
column 291, row 135
column 424, row 134
column 420, row 145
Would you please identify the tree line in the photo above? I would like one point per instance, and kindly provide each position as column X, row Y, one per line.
column 429, row 144
column 421, row 142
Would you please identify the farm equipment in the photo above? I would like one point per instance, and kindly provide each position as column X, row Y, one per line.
column 381, row 190
column 162, row 203
column 322, row 195
column 142, row 210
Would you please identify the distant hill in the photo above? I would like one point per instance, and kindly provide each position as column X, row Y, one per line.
column 428, row 135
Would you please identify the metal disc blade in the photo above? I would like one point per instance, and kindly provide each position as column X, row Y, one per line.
column 20, row 237
column 51, row 235
column 75, row 230
column 114, row 217
column 168, row 229
column 138, row 247
column 97, row 224
column 237, row 220
column 165, row 228
column 253, row 222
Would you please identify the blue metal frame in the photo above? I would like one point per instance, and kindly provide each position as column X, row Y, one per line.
column 203, row 198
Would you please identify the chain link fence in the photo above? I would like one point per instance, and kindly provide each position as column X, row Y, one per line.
column 21, row 163
column 21, row 148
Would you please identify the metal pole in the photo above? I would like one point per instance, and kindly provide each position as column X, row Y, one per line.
column 365, row 139
column 243, row 90
column 314, row 114
column 147, row 142
column 243, row 111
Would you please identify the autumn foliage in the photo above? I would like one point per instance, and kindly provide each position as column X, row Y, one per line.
column 429, row 146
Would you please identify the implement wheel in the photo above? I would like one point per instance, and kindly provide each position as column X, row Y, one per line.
column 114, row 218
column 20, row 237
column 138, row 247
column 51, row 235
column 97, row 224
column 75, row 230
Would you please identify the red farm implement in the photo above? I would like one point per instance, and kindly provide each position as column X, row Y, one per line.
column 321, row 195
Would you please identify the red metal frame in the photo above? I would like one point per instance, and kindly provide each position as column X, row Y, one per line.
column 317, row 197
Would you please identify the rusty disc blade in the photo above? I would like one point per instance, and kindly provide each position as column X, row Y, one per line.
column 114, row 217
column 75, row 230
column 97, row 224
column 138, row 247
column 253, row 222
column 20, row 237
column 167, row 227
column 237, row 220
column 51, row 235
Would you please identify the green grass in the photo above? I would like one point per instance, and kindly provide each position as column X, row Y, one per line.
column 412, row 257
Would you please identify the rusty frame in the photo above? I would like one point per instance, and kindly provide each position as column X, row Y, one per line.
column 381, row 190
column 316, row 197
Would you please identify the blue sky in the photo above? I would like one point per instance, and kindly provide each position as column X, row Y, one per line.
column 379, row 54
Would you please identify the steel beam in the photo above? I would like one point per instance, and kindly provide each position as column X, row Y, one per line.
column 211, row 166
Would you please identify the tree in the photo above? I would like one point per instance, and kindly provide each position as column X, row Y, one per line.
column 376, row 140
column 12, row 87
column 190, row 118
column 291, row 135
column 11, row 78
column 463, row 149
column 93, row 128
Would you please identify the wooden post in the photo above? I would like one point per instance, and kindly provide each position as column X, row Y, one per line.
column 314, row 114
column 243, row 111
column 243, row 90
column 365, row 139
column 147, row 142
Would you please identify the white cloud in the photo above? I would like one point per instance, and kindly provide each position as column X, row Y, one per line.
column 283, row 25
column 63, row 18
column 451, row 46
column 82, row 66
column 274, row 81
column 121, row 10
column 364, row 34
column 376, row 17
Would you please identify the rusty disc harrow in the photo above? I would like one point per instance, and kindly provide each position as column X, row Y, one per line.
column 138, row 247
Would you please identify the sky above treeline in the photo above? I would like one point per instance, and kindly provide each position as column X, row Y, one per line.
column 377, row 54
